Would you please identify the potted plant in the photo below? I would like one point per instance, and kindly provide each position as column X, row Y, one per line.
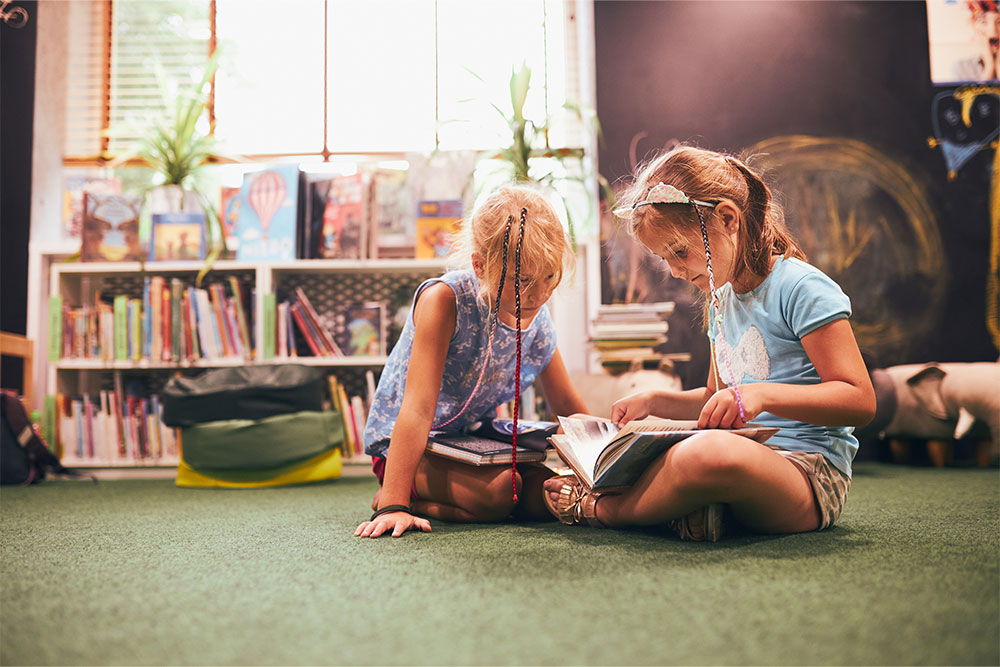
column 530, row 157
column 177, row 147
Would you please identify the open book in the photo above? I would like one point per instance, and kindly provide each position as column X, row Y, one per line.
column 604, row 457
column 489, row 442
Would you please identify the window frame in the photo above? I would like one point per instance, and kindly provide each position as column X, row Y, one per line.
column 105, row 157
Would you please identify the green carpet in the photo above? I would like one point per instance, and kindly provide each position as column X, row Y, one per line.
column 141, row 572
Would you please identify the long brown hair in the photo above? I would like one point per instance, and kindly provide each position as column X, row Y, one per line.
column 710, row 176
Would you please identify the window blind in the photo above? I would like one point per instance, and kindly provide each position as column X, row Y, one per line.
column 159, row 50
column 384, row 90
column 127, row 59
column 86, row 103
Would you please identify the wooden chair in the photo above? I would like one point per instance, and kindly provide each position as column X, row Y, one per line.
column 16, row 345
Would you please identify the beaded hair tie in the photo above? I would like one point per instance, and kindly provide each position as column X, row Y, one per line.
column 494, row 317
column 663, row 193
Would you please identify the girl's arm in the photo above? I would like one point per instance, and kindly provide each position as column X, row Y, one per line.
column 560, row 394
column 669, row 404
column 434, row 324
column 843, row 397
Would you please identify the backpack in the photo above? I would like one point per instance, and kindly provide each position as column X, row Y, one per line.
column 24, row 458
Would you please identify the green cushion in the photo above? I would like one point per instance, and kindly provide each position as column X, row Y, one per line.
column 249, row 444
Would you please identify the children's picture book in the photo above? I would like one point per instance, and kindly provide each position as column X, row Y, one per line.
column 478, row 451
column 393, row 234
column 489, row 441
column 74, row 187
column 345, row 226
column 229, row 214
column 177, row 236
column 110, row 228
column 364, row 327
column 531, row 434
column 268, row 212
column 437, row 223
column 605, row 457
column 315, row 189
column 326, row 338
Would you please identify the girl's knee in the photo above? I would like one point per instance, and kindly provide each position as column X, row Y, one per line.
column 706, row 460
column 496, row 500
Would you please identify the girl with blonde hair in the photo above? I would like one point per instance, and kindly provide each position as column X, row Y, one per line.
column 469, row 336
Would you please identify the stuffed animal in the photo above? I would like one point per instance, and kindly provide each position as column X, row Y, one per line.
column 940, row 403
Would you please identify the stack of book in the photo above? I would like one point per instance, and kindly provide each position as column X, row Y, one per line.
column 624, row 333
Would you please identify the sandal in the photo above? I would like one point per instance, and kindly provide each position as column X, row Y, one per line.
column 707, row 524
column 576, row 505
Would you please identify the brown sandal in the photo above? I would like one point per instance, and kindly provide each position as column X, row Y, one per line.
column 576, row 505
column 707, row 522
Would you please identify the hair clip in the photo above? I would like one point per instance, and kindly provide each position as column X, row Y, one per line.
column 661, row 194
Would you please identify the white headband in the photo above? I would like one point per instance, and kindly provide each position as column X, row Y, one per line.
column 661, row 194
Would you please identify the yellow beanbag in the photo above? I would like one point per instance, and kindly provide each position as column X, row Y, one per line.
column 322, row 467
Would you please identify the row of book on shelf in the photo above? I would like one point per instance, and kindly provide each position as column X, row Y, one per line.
column 117, row 426
column 364, row 330
column 171, row 322
column 175, row 322
column 279, row 213
column 124, row 425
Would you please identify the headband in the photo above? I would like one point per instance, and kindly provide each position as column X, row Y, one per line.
column 662, row 194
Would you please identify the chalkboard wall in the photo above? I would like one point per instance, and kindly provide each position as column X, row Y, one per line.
column 842, row 77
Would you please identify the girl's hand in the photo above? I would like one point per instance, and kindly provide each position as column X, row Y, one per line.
column 632, row 407
column 397, row 522
column 722, row 410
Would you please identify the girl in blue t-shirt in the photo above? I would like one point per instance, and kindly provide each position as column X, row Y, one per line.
column 783, row 355
column 456, row 361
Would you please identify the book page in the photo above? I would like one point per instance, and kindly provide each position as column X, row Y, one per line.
column 588, row 430
column 580, row 456
column 655, row 424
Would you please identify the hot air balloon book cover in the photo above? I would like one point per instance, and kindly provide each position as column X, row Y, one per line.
column 268, row 213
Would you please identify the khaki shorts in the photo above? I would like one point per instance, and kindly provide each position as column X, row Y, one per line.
column 829, row 485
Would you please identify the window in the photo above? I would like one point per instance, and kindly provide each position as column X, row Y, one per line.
column 317, row 77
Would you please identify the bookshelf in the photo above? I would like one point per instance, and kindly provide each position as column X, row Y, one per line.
column 89, row 366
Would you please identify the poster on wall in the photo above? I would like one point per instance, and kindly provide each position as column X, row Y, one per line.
column 964, row 40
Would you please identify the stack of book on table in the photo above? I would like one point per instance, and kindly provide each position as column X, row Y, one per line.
column 625, row 332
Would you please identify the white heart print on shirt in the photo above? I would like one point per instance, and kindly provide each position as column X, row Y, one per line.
column 749, row 358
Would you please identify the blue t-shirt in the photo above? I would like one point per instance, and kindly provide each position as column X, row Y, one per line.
column 762, row 334
column 466, row 354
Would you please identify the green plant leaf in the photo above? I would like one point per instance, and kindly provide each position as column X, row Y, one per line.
column 520, row 81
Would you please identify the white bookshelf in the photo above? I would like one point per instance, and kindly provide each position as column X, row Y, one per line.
column 330, row 285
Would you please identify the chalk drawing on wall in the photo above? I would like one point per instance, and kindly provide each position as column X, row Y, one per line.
column 866, row 222
column 966, row 120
